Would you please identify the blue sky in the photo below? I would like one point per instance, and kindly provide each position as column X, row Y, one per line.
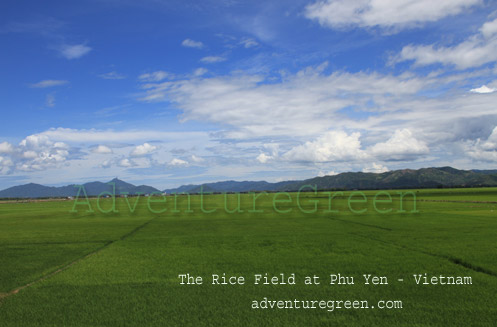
column 166, row 93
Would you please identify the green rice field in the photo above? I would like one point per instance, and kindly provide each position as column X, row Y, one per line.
column 64, row 265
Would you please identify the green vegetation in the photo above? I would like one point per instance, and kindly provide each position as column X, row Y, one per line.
column 121, row 269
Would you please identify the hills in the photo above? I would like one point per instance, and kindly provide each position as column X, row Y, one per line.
column 231, row 186
column 404, row 178
column 92, row 189
column 396, row 179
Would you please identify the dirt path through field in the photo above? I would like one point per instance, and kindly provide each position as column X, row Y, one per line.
column 72, row 263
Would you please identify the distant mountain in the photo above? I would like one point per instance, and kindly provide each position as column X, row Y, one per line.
column 396, row 179
column 405, row 178
column 92, row 189
column 230, row 186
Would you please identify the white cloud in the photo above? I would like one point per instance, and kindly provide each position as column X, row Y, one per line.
column 275, row 116
column 35, row 141
column 483, row 90
column 486, row 156
column 125, row 163
column 302, row 107
column 5, row 165
column 102, row 149
column 30, row 154
column 491, row 142
column 49, row 83
column 46, row 158
column 375, row 168
column 196, row 159
column 249, row 42
column 475, row 51
column 189, row 43
column 112, row 75
column 401, row 146
column 106, row 136
column 333, row 146
column 263, row 158
column 483, row 150
column 143, row 150
column 6, row 147
column 384, row 13
column 6, row 162
column 39, row 152
column 178, row 162
column 121, row 162
column 74, row 51
column 212, row 59
column 328, row 173
column 156, row 76
column 200, row 71
column 489, row 29
column 305, row 103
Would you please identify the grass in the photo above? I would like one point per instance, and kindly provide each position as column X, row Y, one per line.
column 131, row 278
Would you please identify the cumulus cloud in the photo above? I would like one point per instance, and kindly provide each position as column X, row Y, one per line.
column 74, row 51
column 178, row 162
column 489, row 29
column 5, row 165
column 143, row 150
column 383, row 13
column 401, row 146
column 35, row 141
column 48, row 83
column 30, row 154
column 125, row 163
column 212, row 59
column 5, row 161
column 189, row 43
column 491, row 142
column 264, row 158
column 156, row 76
column 477, row 50
column 38, row 152
column 333, row 146
column 483, row 89
column 375, row 168
column 6, row 147
column 327, row 173
column 483, row 150
column 102, row 149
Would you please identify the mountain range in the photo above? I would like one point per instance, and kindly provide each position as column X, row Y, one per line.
column 92, row 189
column 396, row 179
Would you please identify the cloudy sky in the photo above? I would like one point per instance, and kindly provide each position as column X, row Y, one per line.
column 170, row 92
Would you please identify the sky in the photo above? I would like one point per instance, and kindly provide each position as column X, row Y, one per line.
column 170, row 92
